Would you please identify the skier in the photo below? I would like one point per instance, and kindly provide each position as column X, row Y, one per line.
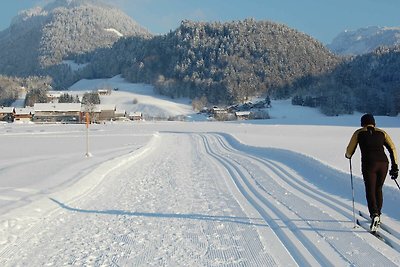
column 374, row 163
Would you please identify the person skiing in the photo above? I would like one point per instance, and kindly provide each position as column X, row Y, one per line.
column 374, row 163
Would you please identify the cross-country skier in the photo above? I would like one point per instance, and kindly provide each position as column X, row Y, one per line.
column 374, row 163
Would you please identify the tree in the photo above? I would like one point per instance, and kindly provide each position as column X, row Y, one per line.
column 37, row 95
column 66, row 98
column 8, row 90
column 89, row 101
column 91, row 98
column 199, row 103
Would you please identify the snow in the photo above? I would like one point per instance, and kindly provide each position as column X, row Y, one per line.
column 135, row 97
column 73, row 65
column 365, row 40
column 114, row 31
column 272, row 192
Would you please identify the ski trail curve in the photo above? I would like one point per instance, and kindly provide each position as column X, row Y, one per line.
column 280, row 189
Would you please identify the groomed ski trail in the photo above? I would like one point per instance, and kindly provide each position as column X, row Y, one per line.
column 319, row 234
column 195, row 200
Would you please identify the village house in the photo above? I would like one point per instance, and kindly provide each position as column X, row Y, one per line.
column 23, row 114
column 103, row 112
column 7, row 114
column 216, row 110
column 104, row 91
column 136, row 116
column 53, row 96
column 120, row 113
column 242, row 115
column 57, row 112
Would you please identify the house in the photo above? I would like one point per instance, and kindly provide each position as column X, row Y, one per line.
column 7, row 114
column 23, row 114
column 53, row 96
column 216, row 110
column 57, row 112
column 120, row 113
column 136, row 116
column 103, row 112
column 242, row 115
column 104, row 91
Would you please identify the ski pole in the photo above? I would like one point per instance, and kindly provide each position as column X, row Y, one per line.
column 352, row 191
column 397, row 183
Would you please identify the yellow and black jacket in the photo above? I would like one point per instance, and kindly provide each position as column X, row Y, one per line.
column 371, row 141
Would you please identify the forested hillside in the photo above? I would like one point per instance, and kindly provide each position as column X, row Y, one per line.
column 367, row 83
column 39, row 39
column 226, row 62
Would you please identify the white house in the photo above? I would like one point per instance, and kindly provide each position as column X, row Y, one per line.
column 7, row 114
column 24, row 114
column 57, row 112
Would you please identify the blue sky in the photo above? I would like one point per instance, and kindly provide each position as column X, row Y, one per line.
column 322, row 19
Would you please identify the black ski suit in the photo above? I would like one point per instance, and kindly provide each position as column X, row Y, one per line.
column 374, row 162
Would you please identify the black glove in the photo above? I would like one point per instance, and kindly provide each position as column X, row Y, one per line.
column 394, row 172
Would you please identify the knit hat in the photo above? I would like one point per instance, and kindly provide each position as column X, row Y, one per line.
column 367, row 119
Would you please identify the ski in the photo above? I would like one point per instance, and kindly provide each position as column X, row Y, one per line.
column 380, row 236
column 382, row 226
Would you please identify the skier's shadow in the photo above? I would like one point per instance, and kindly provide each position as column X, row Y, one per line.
column 258, row 222
column 192, row 216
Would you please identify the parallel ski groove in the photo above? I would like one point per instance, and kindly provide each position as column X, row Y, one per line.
column 268, row 212
column 390, row 238
column 383, row 226
column 320, row 197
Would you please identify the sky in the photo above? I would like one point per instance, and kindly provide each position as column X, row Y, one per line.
column 323, row 19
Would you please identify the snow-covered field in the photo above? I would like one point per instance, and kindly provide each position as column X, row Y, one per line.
column 260, row 193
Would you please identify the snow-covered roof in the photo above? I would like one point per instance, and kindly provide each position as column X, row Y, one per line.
column 6, row 109
column 60, row 107
column 103, row 107
column 54, row 94
column 120, row 111
column 24, row 111
column 242, row 113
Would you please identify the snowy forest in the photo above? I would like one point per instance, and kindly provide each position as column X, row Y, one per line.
column 365, row 83
column 231, row 62
column 226, row 62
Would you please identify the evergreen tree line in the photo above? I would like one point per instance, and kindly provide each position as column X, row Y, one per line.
column 365, row 83
column 36, row 89
column 230, row 62
column 39, row 95
column 225, row 62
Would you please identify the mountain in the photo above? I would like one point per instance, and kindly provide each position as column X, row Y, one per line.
column 226, row 62
column 40, row 38
column 365, row 40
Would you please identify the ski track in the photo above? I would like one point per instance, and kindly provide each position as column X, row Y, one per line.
column 195, row 200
